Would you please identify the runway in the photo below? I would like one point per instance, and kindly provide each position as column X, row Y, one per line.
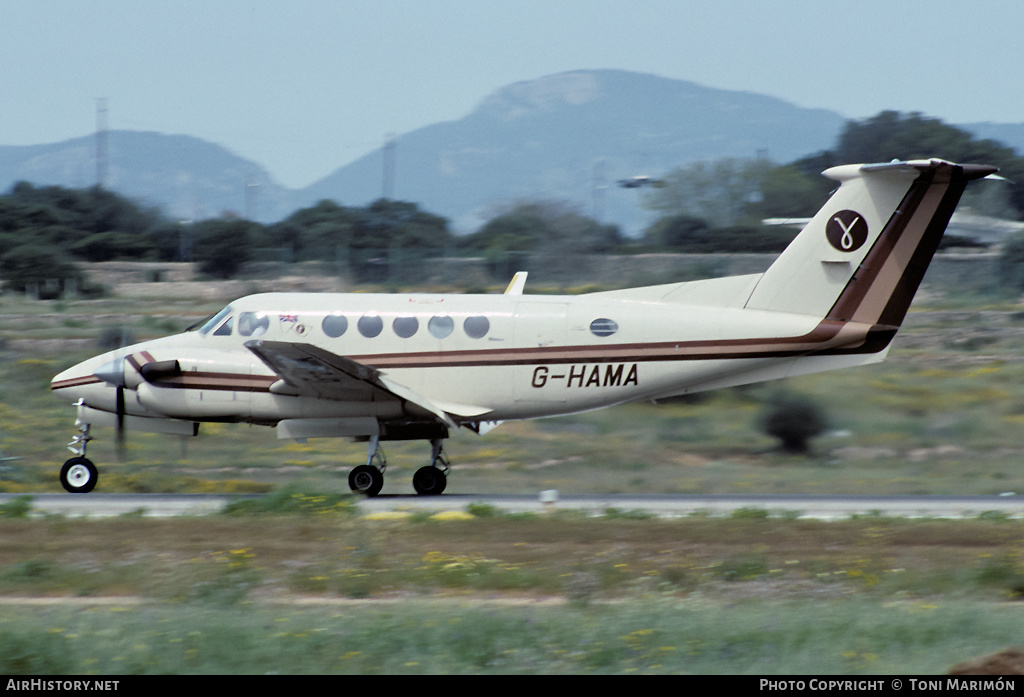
column 835, row 507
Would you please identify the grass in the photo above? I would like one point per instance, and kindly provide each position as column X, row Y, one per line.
column 321, row 549
column 444, row 637
column 323, row 592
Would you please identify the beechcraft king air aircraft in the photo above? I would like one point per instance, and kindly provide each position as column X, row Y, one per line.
column 400, row 367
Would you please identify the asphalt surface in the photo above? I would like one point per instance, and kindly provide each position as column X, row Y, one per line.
column 97, row 505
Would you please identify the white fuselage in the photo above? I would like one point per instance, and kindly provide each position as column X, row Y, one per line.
column 477, row 357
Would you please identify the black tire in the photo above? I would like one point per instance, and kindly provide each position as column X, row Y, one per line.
column 429, row 481
column 79, row 475
column 366, row 480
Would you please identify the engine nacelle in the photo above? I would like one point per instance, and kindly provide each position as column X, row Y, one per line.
column 205, row 385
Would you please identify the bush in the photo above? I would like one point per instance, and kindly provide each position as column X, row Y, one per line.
column 794, row 420
column 1011, row 263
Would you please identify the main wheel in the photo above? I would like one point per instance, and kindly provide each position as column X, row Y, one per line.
column 366, row 479
column 429, row 481
column 78, row 475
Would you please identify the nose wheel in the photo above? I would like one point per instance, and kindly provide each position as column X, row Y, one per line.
column 78, row 475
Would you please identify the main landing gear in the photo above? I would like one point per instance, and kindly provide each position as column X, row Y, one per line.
column 431, row 480
column 79, row 475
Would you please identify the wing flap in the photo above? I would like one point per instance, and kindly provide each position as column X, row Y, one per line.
column 313, row 372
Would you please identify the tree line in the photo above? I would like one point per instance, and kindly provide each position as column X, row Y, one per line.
column 702, row 207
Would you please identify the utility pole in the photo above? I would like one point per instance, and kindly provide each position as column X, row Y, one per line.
column 101, row 142
column 252, row 190
column 598, row 188
column 388, row 189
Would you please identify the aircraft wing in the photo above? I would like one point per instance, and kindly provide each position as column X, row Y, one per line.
column 313, row 372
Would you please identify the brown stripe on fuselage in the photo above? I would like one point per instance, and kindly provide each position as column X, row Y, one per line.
column 231, row 382
column 75, row 382
column 827, row 335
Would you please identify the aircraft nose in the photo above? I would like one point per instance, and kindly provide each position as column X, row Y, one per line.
column 75, row 377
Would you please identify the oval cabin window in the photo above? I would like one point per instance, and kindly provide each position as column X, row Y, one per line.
column 476, row 327
column 603, row 327
column 370, row 325
column 335, row 325
column 405, row 326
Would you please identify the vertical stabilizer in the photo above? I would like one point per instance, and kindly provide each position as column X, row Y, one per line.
column 862, row 257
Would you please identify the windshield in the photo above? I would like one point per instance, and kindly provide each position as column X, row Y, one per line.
column 214, row 321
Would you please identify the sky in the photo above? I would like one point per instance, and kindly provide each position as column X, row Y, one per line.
column 303, row 87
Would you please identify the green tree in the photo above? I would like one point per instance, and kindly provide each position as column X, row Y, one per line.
column 316, row 232
column 548, row 226
column 720, row 192
column 892, row 135
column 790, row 192
column 223, row 246
column 388, row 224
column 40, row 266
column 680, row 232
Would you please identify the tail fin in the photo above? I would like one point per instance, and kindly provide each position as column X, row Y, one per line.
column 862, row 257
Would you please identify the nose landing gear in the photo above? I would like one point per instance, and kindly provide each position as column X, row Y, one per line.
column 79, row 474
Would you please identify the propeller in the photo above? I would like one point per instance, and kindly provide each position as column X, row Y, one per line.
column 112, row 373
column 115, row 374
column 120, row 438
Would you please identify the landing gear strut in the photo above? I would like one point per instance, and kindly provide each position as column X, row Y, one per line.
column 79, row 475
column 431, row 480
column 368, row 479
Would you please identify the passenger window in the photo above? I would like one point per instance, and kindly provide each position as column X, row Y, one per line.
column 224, row 329
column 440, row 326
column 253, row 324
column 476, row 327
column 335, row 325
column 603, row 327
column 370, row 325
column 405, row 326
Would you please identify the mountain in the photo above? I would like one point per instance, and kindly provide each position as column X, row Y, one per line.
column 566, row 137
column 185, row 176
column 570, row 137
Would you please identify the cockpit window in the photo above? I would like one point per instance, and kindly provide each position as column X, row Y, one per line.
column 224, row 329
column 215, row 321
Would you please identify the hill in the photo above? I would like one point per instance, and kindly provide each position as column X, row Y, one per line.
column 570, row 137
column 187, row 177
column 566, row 137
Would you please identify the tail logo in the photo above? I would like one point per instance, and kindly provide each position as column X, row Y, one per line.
column 847, row 231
